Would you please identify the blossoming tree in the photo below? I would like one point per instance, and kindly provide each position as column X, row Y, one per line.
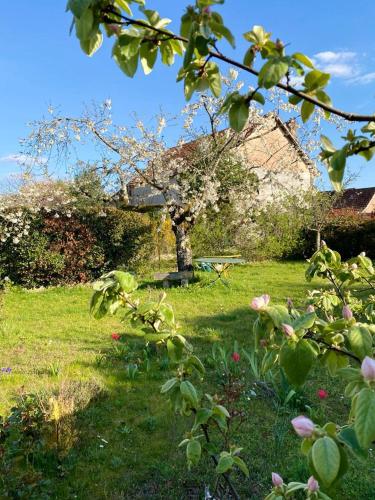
column 202, row 30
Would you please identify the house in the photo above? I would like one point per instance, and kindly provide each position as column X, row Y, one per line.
column 271, row 149
column 356, row 200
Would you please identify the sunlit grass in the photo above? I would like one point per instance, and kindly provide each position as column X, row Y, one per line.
column 48, row 336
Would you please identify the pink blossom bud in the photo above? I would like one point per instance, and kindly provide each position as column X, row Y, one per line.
column 259, row 303
column 312, row 484
column 114, row 27
column 287, row 329
column 323, row 243
column 303, row 426
column 310, row 308
column 362, row 254
column 347, row 313
column 368, row 369
column 353, row 267
column 276, row 479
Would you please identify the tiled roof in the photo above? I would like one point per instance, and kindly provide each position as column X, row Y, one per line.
column 355, row 199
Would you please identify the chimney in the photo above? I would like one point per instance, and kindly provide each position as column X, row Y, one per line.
column 292, row 127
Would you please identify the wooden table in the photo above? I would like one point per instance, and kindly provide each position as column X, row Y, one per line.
column 220, row 266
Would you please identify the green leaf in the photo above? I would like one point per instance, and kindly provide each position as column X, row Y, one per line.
column 349, row 438
column 91, row 45
column 124, row 6
column 325, row 457
column 193, row 452
column 225, row 463
column 241, row 465
column 307, row 109
column 304, row 322
column 258, row 97
column 97, row 308
column 360, row 340
column 272, row 72
column 189, row 49
column 128, row 66
column 202, row 416
column 189, row 393
column 167, row 53
column 295, row 99
column 78, row 7
column 336, row 168
column 296, row 358
column 327, row 144
column 85, row 25
column 323, row 97
column 364, row 423
column 222, row 31
column 238, row 115
column 214, row 78
column 169, row 384
column 316, row 79
column 303, row 59
column 190, row 85
column 279, row 315
column 126, row 281
column 249, row 57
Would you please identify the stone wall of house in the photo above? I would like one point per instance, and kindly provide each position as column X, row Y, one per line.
column 280, row 167
column 271, row 154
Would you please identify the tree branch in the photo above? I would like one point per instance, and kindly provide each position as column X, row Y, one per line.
column 353, row 117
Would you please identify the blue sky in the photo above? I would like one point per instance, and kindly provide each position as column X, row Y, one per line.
column 41, row 64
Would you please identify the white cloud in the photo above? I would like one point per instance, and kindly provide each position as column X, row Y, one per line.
column 333, row 57
column 364, row 79
column 342, row 64
column 21, row 159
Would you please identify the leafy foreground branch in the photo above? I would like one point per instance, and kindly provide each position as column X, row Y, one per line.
column 336, row 328
column 141, row 40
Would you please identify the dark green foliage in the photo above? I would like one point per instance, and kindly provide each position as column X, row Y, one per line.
column 77, row 249
column 125, row 237
column 215, row 234
column 352, row 235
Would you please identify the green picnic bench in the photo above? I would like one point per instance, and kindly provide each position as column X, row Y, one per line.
column 220, row 265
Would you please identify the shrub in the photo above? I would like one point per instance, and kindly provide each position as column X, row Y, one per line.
column 215, row 233
column 55, row 251
column 75, row 248
column 125, row 237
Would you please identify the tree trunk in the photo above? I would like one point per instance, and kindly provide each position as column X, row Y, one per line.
column 318, row 239
column 183, row 248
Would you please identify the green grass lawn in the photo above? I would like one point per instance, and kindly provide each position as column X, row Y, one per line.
column 125, row 442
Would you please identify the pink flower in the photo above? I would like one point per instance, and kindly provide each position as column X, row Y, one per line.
column 368, row 369
column 303, row 426
column 276, row 479
column 362, row 254
column 116, row 336
column 322, row 394
column 347, row 313
column 310, row 308
column 114, row 27
column 236, row 357
column 353, row 267
column 312, row 484
column 260, row 303
column 287, row 329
